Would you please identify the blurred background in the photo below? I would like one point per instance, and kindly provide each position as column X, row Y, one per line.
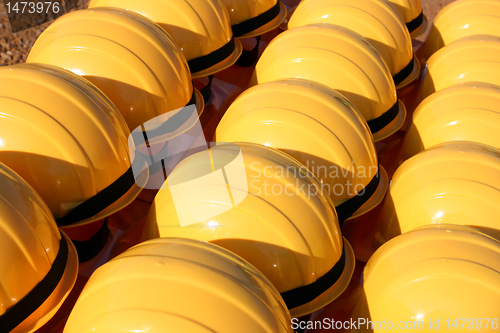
column 14, row 47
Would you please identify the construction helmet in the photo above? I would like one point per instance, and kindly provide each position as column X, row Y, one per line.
column 201, row 28
column 134, row 62
column 38, row 265
column 456, row 183
column 178, row 285
column 270, row 210
column 67, row 140
column 252, row 18
column 460, row 19
column 431, row 277
column 375, row 20
column 340, row 59
column 321, row 129
column 413, row 16
column 468, row 112
column 470, row 59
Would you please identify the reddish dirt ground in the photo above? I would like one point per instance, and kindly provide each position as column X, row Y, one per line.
column 14, row 47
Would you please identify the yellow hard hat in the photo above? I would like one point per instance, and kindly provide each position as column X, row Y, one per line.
column 133, row 61
column 413, row 15
column 38, row 265
column 252, row 18
column 460, row 19
column 265, row 207
column 201, row 28
column 434, row 278
column 67, row 140
column 456, row 183
column 468, row 112
column 375, row 20
column 321, row 129
column 178, row 285
column 470, row 59
column 340, row 59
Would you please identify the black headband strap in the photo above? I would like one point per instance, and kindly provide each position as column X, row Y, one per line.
column 256, row 22
column 122, row 185
column 248, row 58
column 305, row 294
column 404, row 73
column 88, row 249
column 349, row 207
column 211, row 59
column 170, row 125
column 206, row 92
column 100, row 201
column 377, row 124
column 32, row 301
column 415, row 23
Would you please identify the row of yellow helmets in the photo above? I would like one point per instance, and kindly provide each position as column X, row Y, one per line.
column 447, row 165
column 92, row 78
column 432, row 245
column 302, row 161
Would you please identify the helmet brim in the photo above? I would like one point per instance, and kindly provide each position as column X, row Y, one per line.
column 226, row 63
column 377, row 197
column 125, row 200
column 142, row 180
column 334, row 291
column 52, row 304
column 393, row 126
column 271, row 25
column 421, row 29
column 413, row 75
column 200, row 107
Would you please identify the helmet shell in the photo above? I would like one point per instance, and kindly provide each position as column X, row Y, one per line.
column 375, row 20
column 74, row 142
column 460, row 19
column 470, row 59
column 292, row 237
column 30, row 237
column 338, row 58
column 451, row 183
column 463, row 112
column 178, row 285
column 315, row 125
column 199, row 27
column 130, row 58
column 429, row 276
